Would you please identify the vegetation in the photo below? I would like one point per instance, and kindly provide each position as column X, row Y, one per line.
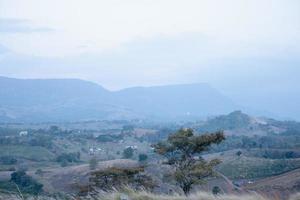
column 143, row 195
column 25, row 183
column 180, row 149
column 252, row 151
column 93, row 163
column 128, row 152
column 143, row 157
column 117, row 178
column 68, row 157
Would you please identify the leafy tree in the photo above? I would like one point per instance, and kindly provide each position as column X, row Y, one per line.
column 26, row 183
column 239, row 153
column 128, row 152
column 54, row 129
column 117, row 178
column 143, row 157
column 216, row 190
column 68, row 157
column 180, row 149
column 109, row 138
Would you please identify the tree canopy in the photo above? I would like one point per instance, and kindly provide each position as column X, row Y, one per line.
column 182, row 151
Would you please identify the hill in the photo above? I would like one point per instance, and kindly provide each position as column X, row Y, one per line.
column 278, row 186
column 176, row 101
column 39, row 100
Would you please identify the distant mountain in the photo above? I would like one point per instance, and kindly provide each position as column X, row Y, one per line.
column 40, row 100
column 176, row 101
column 54, row 100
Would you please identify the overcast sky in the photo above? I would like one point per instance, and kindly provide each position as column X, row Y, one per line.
column 122, row 43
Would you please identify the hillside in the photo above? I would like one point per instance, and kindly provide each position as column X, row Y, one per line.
column 38, row 100
column 176, row 101
column 278, row 186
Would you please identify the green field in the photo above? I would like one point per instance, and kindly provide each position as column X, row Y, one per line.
column 34, row 153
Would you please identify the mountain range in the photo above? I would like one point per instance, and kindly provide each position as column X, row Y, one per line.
column 50, row 100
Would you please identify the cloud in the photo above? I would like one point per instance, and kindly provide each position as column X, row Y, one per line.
column 101, row 25
column 19, row 26
column 184, row 58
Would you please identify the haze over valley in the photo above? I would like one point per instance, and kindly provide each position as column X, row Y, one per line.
column 149, row 100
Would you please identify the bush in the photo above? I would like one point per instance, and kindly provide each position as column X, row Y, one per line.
column 116, row 178
column 68, row 157
column 216, row 190
column 143, row 157
column 109, row 138
column 26, row 183
column 128, row 153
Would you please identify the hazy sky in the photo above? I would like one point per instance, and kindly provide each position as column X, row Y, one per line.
column 121, row 43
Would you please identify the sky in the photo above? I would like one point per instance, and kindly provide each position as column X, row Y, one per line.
column 234, row 45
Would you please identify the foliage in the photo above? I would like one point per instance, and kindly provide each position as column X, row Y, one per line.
column 26, row 183
column 128, row 152
column 143, row 195
column 109, row 138
column 253, row 168
column 41, row 140
column 143, row 157
column 180, row 149
column 68, row 157
column 117, row 178
column 216, row 190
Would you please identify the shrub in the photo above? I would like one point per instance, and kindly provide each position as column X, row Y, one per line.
column 143, row 157
column 68, row 157
column 216, row 190
column 117, row 178
column 128, row 152
column 26, row 183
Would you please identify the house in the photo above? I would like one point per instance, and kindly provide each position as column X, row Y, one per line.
column 23, row 133
column 94, row 150
column 134, row 147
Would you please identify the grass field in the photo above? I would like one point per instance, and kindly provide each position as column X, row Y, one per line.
column 35, row 153
column 146, row 196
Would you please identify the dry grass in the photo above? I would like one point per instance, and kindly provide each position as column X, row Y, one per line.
column 142, row 195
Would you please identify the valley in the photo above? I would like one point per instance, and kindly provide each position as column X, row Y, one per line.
column 258, row 155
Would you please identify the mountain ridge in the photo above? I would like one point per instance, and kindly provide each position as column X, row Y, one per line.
column 75, row 99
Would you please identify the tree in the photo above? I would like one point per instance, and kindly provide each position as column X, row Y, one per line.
column 180, row 149
column 128, row 152
column 216, row 190
column 93, row 163
column 143, row 157
column 118, row 178
column 26, row 183
column 239, row 153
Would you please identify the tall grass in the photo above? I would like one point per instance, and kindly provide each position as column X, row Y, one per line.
column 143, row 195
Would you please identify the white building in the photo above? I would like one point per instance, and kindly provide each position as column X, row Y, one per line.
column 23, row 133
